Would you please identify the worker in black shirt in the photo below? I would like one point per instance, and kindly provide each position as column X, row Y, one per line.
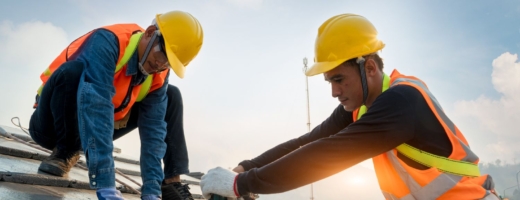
column 418, row 153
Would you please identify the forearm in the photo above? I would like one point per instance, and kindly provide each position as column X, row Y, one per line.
column 95, row 123
column 294, row 170
column 152, row 131
column 271, row 154
column 308, row 164
column 338, row 120
column 153, row 149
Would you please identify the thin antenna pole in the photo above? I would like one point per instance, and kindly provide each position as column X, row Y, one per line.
column 307, row 91
column 308, row 110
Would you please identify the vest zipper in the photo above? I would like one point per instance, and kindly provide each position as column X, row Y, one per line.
column 125, row 102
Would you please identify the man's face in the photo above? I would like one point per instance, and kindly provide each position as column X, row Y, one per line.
column 157, row 60
column 346, row 86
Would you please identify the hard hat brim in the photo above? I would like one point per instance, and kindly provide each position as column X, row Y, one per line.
column 175, row 63
column 322, row 67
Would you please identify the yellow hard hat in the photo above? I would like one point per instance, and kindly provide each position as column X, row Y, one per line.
column 342, row 38
column 183, row 37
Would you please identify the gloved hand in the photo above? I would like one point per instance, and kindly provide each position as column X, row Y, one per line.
column 219, row 181
column 109, row 194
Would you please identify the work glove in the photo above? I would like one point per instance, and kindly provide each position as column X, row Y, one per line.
column 109, row 194
column 219, row 181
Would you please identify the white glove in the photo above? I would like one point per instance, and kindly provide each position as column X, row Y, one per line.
column 218, row 181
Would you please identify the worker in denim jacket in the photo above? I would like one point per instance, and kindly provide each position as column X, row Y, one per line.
column 105, row 84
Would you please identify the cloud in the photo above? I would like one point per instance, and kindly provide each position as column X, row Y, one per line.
column 495, row 120
column 26, row 50
column 31, row 44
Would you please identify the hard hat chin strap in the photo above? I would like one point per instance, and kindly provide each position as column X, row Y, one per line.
column 146, row 52
column 361, row 61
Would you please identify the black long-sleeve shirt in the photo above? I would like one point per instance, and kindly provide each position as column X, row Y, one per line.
column 399, row 115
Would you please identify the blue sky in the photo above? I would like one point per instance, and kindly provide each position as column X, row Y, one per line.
column 245, row 91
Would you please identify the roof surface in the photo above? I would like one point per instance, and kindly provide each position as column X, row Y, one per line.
column 20, row 178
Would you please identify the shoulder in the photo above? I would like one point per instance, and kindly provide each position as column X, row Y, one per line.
column 402, row 92
column 103, row 40
column 101, row 45
column 397, row 98
column 103, row 34
column 100, row 38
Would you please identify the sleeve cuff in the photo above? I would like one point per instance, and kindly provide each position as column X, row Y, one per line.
column 247, row 165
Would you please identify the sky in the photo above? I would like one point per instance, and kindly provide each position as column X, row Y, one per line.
column 245, row 91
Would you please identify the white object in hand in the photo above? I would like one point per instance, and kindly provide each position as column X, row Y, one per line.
column 218, row 181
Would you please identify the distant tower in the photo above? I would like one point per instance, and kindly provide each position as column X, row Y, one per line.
column 308, row 110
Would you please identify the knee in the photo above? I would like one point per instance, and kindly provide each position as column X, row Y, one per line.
column 42, row 140
column 174, row 95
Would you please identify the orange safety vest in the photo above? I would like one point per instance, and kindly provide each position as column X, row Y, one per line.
column 124, row 33
column 397, row 180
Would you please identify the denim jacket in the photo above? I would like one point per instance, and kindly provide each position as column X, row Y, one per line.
column 100, row 53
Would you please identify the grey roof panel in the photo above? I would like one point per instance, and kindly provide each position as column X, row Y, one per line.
column 19, row 174
column 29, row 166
column 16, row 191
column 5, row 142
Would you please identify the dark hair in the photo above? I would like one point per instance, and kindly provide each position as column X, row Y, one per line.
column 375, row 57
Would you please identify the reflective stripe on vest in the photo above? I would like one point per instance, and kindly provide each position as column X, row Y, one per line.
column 457, row 167
column 125, row 95
column 447, row 178
column 129, row 51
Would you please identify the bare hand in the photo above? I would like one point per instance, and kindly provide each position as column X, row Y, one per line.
column 239, row 169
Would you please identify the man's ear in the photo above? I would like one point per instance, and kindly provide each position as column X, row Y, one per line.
column 149, row 31
column 371, row 67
